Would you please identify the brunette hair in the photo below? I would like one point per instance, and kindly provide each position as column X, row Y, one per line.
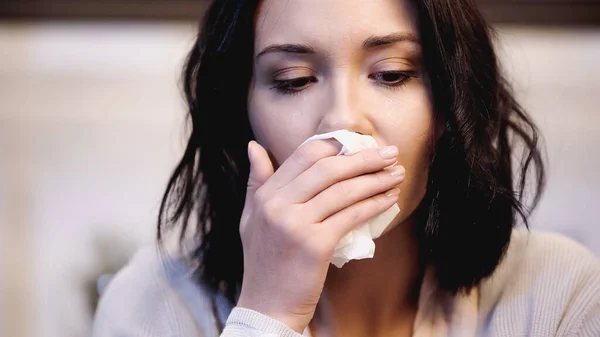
column 473, row 199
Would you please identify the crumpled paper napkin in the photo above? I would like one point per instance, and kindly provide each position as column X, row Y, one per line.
column 358, row 244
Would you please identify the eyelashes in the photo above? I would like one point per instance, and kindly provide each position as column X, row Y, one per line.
column 392, row 79
column 386, row 79
column 294, row 85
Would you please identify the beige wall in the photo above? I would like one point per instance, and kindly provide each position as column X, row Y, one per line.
column 90, row 121
column 557, row 77
column 90, row 127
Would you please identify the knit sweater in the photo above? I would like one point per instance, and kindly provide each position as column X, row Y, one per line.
column 547, row 285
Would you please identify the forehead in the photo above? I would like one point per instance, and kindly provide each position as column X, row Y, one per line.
column 311, row 21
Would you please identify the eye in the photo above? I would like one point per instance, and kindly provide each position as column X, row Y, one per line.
column 293, row 85
column 391, row 78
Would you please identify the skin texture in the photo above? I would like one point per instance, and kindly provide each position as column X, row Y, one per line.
column 344, row 96
column 355, row 65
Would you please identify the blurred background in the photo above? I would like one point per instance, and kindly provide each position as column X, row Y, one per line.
column 92, row 123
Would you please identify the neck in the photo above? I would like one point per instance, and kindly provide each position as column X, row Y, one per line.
column 375, row 296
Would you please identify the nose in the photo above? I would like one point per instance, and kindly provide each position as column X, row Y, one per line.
column 343, row 107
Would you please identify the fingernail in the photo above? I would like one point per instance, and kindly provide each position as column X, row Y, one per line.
column 393, row 192
column 397, row 171
column 389, row 152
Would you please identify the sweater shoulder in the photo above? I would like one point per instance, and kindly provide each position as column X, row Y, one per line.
column 154, row 294
column 546, row 282
column 539, row 253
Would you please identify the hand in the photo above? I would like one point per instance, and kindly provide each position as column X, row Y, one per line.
column 294, row 218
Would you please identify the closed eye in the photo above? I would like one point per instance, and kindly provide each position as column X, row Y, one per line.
column 293, row 85
column 391, row 78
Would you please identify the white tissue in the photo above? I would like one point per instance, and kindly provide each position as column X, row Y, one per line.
column 358, row 244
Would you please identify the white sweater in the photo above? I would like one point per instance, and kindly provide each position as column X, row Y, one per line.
column 547, row 285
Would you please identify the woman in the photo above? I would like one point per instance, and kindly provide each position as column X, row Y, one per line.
column 265, row 214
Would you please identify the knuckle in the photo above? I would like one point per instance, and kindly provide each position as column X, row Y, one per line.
column 369, row 159
column 288, row 232
column 306, row 155
column 261, row 197
column 378, row 201
column 341, row 189
column 288, row 220
column 382, row 177
column 312, row 151
column 364, row 157
column 325, row 169
column 271, row 212
column 285, row 221
column 353, row 214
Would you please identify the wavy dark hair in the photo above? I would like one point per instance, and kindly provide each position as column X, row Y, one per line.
column 474, row 195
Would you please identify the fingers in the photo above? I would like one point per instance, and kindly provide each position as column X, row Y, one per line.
column 348, row 192
column 301, row 159
column 261, row 167
column 341, row 223
column 329, row 171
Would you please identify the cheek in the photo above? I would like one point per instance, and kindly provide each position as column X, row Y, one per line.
column 407, row 121
column 279, row 128
column 410, row 125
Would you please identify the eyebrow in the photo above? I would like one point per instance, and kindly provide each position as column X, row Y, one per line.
column 369, row 43
column 377, row 41
column 287, row 48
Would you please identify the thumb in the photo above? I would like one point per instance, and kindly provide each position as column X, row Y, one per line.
column 261, row 167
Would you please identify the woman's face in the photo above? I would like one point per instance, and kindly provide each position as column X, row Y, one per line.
column 321, row 66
